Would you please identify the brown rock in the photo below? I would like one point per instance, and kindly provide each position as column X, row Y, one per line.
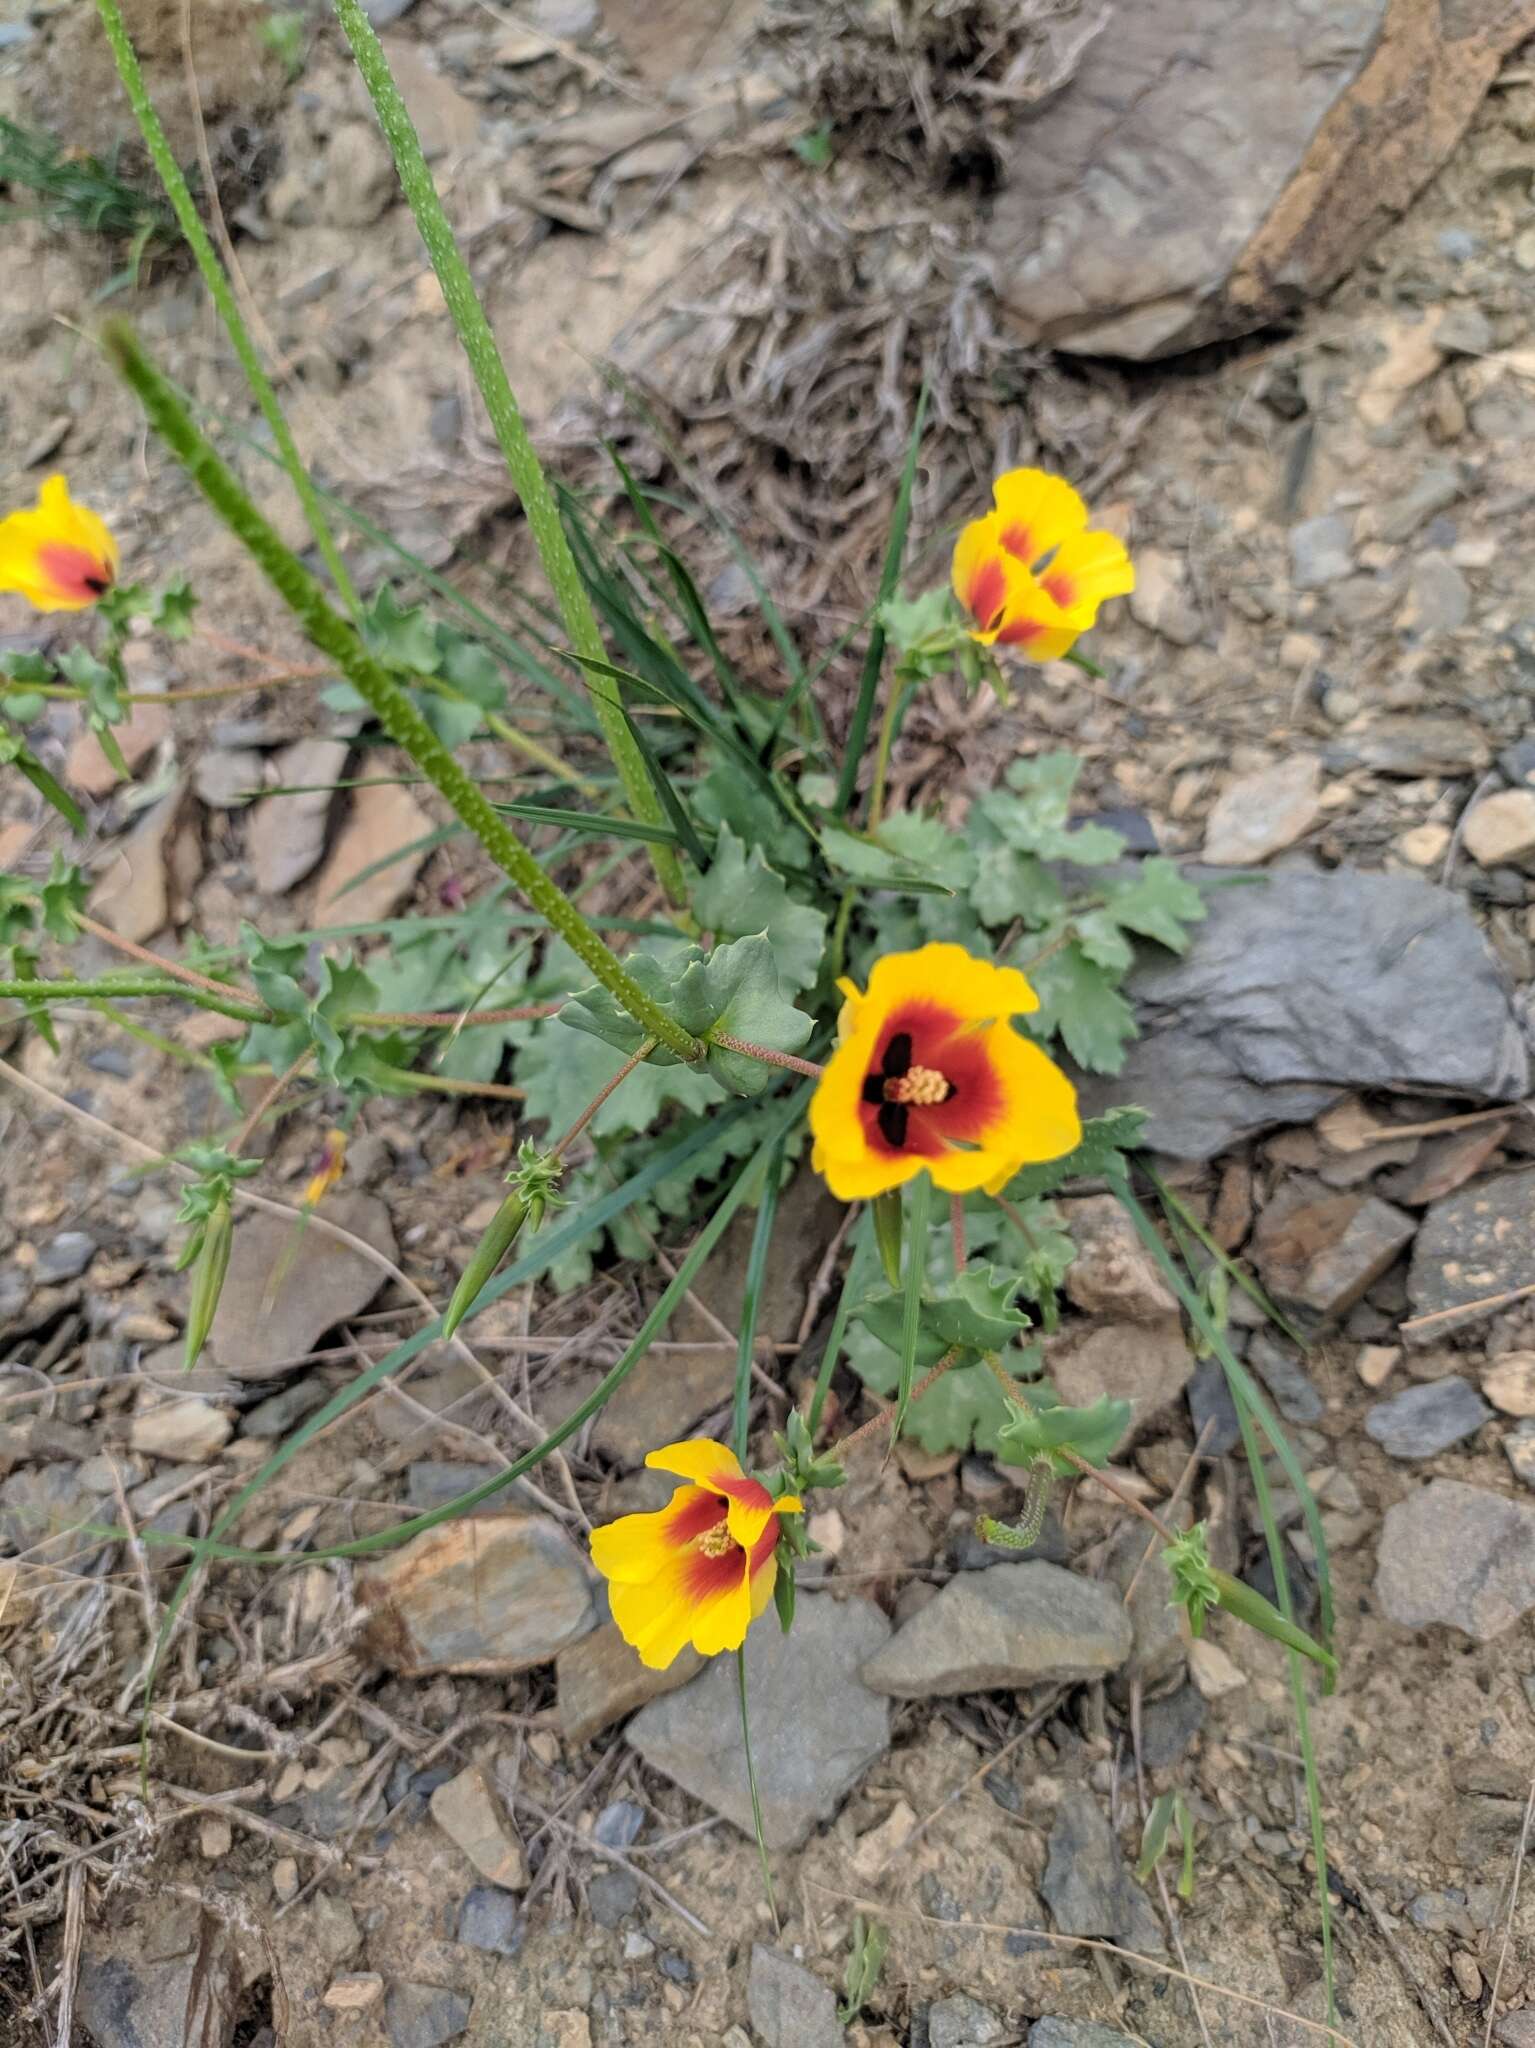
column 14, row 841
column 353, row 1993
column 1500, row 831
column 664, row 1395
column 1323, row 1251
column 385, row 819
column 1113, row 1274
column 1160, row 600
column 601, row 1680
column 491, row 1594
column 1232, row 1216
column 86, row 766
column 287, row 833
column 286, row 1287
column 193, row 1430
column 1207, row 168
column 1510, row 1383
column 1376, row 1363
column 466, row 1809
column 1444, row 1164
column 1147, row 1364
column 134, row 895
column 1261, row 814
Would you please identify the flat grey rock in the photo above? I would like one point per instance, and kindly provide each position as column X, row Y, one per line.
column 1209, row 168
column 1459, row 1556
column 1087, row 1884
column 816, row 1727
column 962, row 2022
column 423, row 2015
column 1075, row 2034
column 787, row 2006
column 1019, row 1624
column 489, row 1919
column 1260, row 1025
column 64, row 1257
column 262, row 1330
column 1423, row 1420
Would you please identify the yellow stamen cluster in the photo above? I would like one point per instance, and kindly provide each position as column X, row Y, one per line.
column 716, row 1541
column 919, row 1087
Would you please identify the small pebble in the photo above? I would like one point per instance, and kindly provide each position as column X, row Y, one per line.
column 1468, row 1978
column 285, row 1879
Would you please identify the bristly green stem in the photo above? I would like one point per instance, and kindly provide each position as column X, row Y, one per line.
column 179, row 194
column 479, row 346
column 336, row 640
column 114, row 985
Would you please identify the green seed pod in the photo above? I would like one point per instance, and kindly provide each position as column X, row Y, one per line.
column 208, row 1279
column 488, row 1254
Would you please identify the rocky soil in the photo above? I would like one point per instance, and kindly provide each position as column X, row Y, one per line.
column 433, row 1799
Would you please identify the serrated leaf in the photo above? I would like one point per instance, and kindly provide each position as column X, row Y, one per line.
column 734, row 990
column 966, row 1408
column 23, row 665
column 18, row 917
column 1079, row 1000
column 562, row 1071
column 275, row 967
column 929, row 847
column 1104, row 1140
column 175, row 609
column 1009, row 884
column 344, row 988
column 741, row 894
column 402, row 635
column 1158, row 902
column 974, row 1311
column 726, row 797
column 1103, row 942
column 908, row 620
column 1040, row 1433
column 106, row 701
column 1032, row 818
column 62, row 895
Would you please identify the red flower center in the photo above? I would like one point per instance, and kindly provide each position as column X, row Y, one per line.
column 930, row 1085
column 74, row 570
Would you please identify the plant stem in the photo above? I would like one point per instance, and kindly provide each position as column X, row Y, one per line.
column 751, row 1782
column 886, row 1415
column 484, row 358
column 159, row 963
column 268, row 1098
column 643, row 1052
column 794, row 1064
column 455, row 1020
column 177, row 191
column 888, row 727
column 390, row 704
column 415, row 1083
column 112, row 986
column 167, row 1047
column 957, row 1231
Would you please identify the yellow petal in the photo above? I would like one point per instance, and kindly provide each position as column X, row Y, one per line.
column 1088, row 569
column 640, row 1547
column 1035, row 512
column 947, row 974
column 986, row 579
column 700, row 1459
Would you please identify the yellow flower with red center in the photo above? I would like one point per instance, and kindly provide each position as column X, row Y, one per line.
column 1031, row 574
column 328, row 1168
column 700, row 1570
column 59, row 555
column 929, row 1074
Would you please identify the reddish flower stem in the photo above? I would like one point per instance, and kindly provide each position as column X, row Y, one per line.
column 845, row 1444
column 762, row 1052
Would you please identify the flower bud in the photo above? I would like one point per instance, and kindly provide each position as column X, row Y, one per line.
column 208, row 1280
column 488, row 1254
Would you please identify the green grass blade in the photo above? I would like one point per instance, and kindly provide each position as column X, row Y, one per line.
column 890, row 576
column 751, row 1297
column 1249, row 1285
column 859, row 1273
column 911, row 1306
column 751, row 1781
column 1253, row 1411
column 684, row 830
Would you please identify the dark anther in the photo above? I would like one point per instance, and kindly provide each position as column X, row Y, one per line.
column 892, row 1123
column 99, row 584
column 874, row 1088
column 897, row 1056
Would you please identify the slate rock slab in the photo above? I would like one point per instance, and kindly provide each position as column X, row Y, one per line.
column 172, row 1982
column 1305, row 985
column 423, row 2015
column 1019, row 1624
column 255, row 1337
column 787, row 2006
column 1478, row 1241
column 1209, row 168
column 816, row 1727
column 1087, row 1885
column 1423, row 1420
column 1458, row 1555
